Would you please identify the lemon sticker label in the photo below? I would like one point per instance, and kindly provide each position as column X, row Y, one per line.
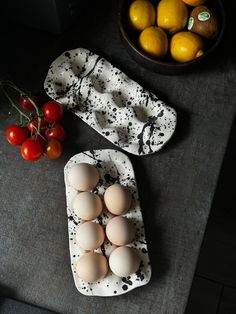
column 204, row 16
column 190, row 23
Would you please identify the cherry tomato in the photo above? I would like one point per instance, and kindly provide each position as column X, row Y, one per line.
column 26, row 103
column 31, row 149
column 41, row 141
column 33, row 125
column 16, row 135
column 53, row 149
column 57, row 132
column 53, row 111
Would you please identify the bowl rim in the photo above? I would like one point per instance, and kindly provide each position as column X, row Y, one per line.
column 170, row 64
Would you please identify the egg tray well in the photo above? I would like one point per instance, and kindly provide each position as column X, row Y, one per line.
column 106, row 99
column 113, row 167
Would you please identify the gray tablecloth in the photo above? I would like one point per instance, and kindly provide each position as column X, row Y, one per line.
column 176, row 185
column 11, row 306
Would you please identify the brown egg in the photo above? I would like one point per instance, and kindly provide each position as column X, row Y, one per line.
column 91, row 267
column 120, row 231
column 203, row 22
column 90, row 235
column 117, row 199
column 83, row 177
column 87, row 205
column 124, row 261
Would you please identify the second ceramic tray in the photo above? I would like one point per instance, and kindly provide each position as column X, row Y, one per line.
column 110, row 102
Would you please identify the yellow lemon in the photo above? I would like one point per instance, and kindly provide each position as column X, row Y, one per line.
column 194, row 3
column 186, row 46
column 153, row 40
column 141, row 14
column 172, row 15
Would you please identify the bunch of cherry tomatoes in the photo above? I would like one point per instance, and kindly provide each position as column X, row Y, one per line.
column 40, row 133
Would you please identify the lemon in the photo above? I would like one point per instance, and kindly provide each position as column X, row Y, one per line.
column 141, row 14
column 172, row 15
column 153, row 40
column 194, row 3
column 186, row 46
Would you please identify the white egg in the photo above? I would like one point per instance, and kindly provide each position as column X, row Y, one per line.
column 83, row 177
column 87, row 205
column 91, row 267
column 120, row 231
column 90, row 235
column 124, row 261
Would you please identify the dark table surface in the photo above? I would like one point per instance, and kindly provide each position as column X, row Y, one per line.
column 176, row 185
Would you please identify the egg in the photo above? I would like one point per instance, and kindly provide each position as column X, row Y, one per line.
column 87, row 205
column 92, row 266
column 90, row 236
column 124, row 261
column 83, row 177
column 120, row 231
column 117, row 199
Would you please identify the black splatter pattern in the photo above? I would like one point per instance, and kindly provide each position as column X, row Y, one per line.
column 71, row 218
column 110, row 102
column 127, row 280
column 140, row 275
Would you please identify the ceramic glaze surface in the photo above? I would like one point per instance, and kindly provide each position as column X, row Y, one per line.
column 105, row 98
column 113, row 167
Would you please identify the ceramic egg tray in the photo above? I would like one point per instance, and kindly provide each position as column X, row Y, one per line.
column 113, row 167
column 110, row 102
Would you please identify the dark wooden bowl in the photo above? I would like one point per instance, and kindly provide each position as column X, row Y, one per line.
column 166, row 66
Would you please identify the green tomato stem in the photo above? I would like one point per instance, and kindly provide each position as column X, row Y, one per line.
column 14, row 105
column 42, row 137
column 34, row 104
column 39, row 124
column 37, row 111
column 12, row 85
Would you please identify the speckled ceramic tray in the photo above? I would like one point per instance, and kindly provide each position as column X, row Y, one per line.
column 113, row 167
column 110, row 102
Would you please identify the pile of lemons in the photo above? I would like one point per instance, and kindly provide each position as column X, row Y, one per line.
column 168, row 20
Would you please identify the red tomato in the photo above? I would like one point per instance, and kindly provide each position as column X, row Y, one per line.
column 53, row 111
column 26, row 103
column 33, row 125
column 41, row 141
column 57, row 132
column 16, row 135
column 31, row 149
column 53, row 149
